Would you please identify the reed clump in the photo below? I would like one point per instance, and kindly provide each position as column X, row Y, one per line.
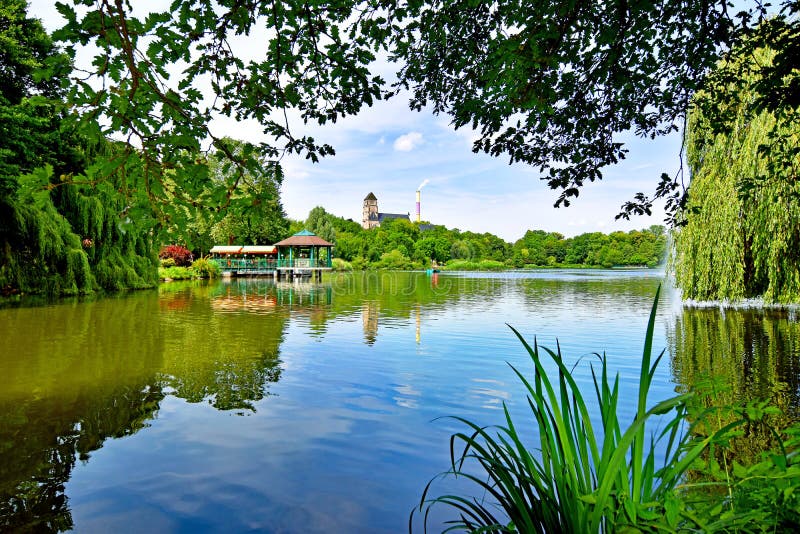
column 611, row 477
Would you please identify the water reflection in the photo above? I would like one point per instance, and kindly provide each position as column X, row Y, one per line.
column 69, row 380
column 339, row 382
column 755, row 354
column 224, row 346
column 736, row 356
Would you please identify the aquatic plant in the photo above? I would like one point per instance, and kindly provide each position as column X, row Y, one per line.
column 579, row 478
column 205, row 268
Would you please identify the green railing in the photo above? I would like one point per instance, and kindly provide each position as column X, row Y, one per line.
column 303, row 262
column 246, row 264
column 268, row 264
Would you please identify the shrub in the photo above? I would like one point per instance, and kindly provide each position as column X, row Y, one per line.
column 175, row 273
column 359, row 263
column 393, row 260
column 338, row 264
column 167, row 262
column 482, row 265
column 205, row 268
column 181, row 255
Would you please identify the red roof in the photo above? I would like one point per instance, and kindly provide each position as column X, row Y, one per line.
column 303, row 241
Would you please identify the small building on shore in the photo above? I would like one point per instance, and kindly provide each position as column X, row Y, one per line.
column 302, row 254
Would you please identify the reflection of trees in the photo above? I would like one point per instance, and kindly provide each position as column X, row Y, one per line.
column 226, row 381
column 588, row 290
column 224, row 344
column 736, row 356
column 59, row 401
column 41, row 440
column 374, row 295
column 401, row 294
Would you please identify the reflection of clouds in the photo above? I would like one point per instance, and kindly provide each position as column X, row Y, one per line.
column 491, row 398
column 406, row 396
column 250, row 480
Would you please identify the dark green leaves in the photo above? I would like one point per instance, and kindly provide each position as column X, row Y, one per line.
column 552, row 84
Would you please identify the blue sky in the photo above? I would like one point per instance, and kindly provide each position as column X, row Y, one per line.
column 389, row 150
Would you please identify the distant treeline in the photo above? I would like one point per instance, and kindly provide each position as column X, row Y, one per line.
column 402, row 244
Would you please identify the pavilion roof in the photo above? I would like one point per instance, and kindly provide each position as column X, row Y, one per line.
column 303, row 239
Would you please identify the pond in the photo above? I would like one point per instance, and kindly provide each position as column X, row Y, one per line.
column 246, row 405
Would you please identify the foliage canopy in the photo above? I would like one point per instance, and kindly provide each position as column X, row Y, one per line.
column 66, row 223
column 402, row 244
column 554, row 84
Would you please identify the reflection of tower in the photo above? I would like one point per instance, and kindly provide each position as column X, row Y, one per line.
column 369, row 316
column 369, row 216
column 418, row 324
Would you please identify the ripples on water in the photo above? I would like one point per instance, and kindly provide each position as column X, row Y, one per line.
column 246, row 405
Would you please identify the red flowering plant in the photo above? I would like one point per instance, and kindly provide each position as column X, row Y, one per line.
column 181, row 255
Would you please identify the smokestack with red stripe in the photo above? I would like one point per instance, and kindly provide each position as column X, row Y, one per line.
column 423, row 184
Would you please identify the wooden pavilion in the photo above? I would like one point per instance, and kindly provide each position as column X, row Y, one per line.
column 304, row 251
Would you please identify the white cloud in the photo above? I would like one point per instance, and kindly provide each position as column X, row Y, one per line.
column 408, row 142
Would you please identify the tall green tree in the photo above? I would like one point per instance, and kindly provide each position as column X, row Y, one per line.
column 257, row 216
column 742, row 232
column 30, row 67
column 67, row 224
column 322, row 223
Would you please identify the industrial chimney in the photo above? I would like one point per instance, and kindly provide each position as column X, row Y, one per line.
column 423, row 184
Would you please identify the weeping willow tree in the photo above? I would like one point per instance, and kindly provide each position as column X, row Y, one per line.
column 69, row 222
column 741, row 236
column 68, row 239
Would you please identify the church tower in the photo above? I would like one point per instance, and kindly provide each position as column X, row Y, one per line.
column 370, row 213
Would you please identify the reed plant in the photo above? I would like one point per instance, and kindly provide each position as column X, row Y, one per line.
column 580, row 479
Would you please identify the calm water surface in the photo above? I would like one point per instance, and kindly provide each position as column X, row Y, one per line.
column 248, row 406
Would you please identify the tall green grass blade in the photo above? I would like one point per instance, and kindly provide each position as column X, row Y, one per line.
column 645, row 379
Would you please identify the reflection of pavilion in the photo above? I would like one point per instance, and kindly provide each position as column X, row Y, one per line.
column 242, row 295
column 369, row 317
